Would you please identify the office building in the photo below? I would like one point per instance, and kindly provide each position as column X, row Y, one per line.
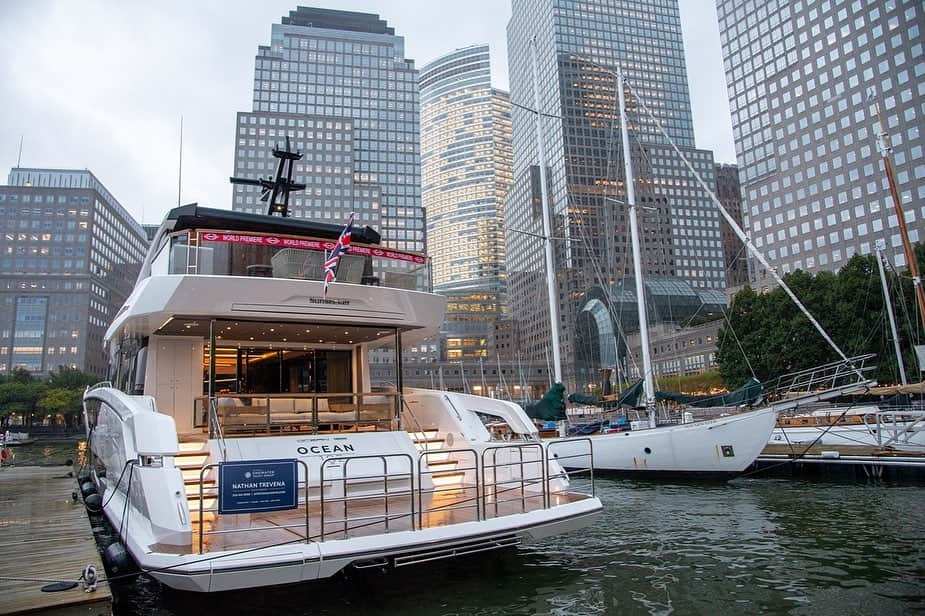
column 803, row 78
column 579, row 45
column 338, row 84
column 466, row 172
column 735, row 255
column 70, row 256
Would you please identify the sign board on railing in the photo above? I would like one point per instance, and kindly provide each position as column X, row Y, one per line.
column 257, row 485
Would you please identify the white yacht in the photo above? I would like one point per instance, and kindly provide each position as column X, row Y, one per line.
column 245, row 440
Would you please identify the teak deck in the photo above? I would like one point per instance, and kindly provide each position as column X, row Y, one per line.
column 44, row 534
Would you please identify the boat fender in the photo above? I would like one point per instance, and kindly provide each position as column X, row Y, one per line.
column 93, row 503
column 117, row 559
column 87, row 488
column 89, row 578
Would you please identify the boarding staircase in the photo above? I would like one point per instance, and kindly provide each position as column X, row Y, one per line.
column 193, row 457
column 445, row 467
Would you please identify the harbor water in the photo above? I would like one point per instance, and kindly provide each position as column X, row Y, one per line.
column 749, row 546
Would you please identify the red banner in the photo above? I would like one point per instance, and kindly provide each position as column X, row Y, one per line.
column 290, row 242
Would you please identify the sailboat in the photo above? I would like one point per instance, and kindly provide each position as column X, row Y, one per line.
column 901, row 427
column 718, row 448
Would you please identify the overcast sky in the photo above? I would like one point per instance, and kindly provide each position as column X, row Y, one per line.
column 102, row 85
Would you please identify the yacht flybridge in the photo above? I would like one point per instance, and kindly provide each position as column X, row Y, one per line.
column 256, row 432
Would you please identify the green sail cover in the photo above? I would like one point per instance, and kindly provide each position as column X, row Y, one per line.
column 551, row 406
column 577, row 398
column 634, row 397
column 748, row 394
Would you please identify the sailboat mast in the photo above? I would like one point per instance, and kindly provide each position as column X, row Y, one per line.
column 648, row 381
column 547, row 228
column 889, row 312
column 886, row 148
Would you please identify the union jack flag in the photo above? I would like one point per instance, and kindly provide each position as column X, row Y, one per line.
column 342, row 245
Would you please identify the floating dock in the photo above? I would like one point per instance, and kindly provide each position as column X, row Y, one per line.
column 45, row 535
column 840, row 462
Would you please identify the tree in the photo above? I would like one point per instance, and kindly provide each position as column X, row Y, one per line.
column 20, row 398
column 70, row 378
column 768, row 335
column 62, row 401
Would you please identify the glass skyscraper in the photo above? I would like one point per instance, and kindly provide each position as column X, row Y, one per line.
column 466, row 171
column 339, row 85
column 802, row 81
column 579, row 45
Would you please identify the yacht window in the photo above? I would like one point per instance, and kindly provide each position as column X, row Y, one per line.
column 160, row 264
column 179, row 254
column 131, row 361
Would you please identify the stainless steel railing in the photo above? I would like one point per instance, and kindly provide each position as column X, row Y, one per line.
column 215, row 428
column 346, row 481
column 505, row 479
column 469, row 493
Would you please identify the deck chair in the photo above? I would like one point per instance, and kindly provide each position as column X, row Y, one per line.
column 350, row 268
column 289, row 263
column 313, row 266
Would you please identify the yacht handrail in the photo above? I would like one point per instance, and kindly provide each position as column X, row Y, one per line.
column 450, row 488
column 100, row 385
column 887, row 421
column 256, row 413
column 519, row 447
column 825, row 376
column 215, row 427
column 378, row 484
column 564, row 473
column 405, row 405
column 345, row 479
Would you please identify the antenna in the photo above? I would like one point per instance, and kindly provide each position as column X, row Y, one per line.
column 281, row 186
column 180, row 170
column 19, row 158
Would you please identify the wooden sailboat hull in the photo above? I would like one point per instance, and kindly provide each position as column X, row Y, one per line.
column 715, row 449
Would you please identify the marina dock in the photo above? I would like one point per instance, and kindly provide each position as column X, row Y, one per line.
column 840, row 461
column 46, row 536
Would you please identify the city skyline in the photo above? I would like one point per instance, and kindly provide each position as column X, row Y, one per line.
column 127, row 128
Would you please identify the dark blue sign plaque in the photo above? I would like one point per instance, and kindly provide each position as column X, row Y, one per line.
column 257, row 485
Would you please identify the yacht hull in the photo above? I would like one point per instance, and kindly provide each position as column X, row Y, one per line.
column 305, row 562
column 715, row 449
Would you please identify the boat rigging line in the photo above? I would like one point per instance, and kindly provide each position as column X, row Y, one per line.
column 743, row 236
column 803, row 453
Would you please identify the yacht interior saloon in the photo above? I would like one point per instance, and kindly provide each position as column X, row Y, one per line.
column 244, row 442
